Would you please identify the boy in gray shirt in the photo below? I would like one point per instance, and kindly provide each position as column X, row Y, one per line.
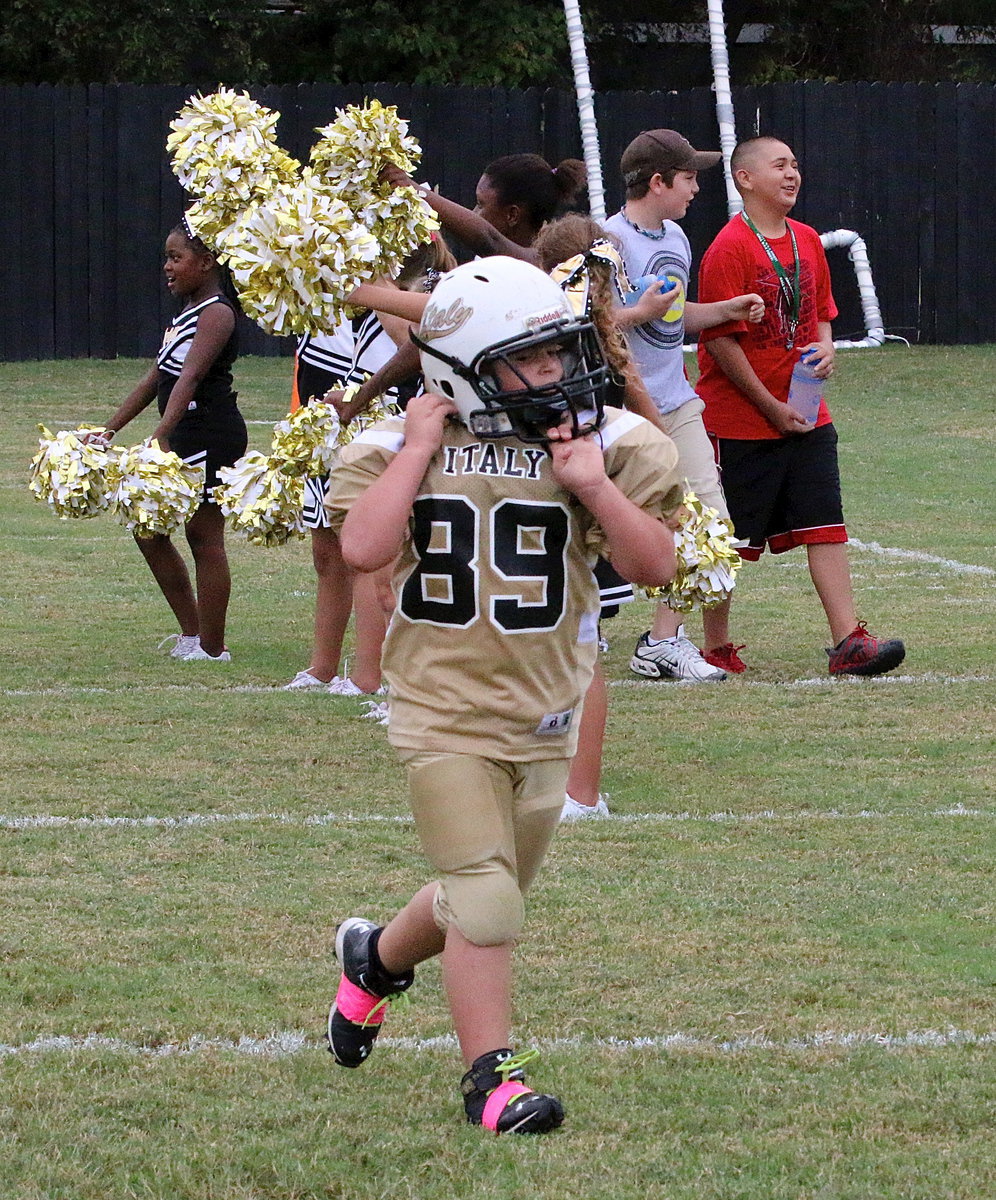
column 660, row 169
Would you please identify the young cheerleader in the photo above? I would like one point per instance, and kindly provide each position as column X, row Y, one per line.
column 199, row 420
column 323, row 361
column 515, row 197
column 356, row 348
column 491, row 498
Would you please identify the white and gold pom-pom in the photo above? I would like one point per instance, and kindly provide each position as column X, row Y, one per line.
column 224, row 145
column 305, row 441
column 358, row 143
column 348, row 159
column 707, row 560
column 260, row 501
column 296, row 257
column 154, row 490
column 399, row 220
column 70, row 474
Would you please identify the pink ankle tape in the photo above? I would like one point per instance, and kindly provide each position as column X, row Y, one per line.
column 356, row 1005
column 500, row 1099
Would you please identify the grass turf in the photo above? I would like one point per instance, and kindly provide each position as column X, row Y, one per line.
column 770, row 977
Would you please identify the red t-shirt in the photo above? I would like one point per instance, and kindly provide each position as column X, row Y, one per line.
column 736, row 263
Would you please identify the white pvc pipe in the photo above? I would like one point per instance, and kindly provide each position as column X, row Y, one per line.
column 724, row 100
column 586, row 109
column 857, row 252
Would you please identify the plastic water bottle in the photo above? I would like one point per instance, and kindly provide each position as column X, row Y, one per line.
column 805, row 388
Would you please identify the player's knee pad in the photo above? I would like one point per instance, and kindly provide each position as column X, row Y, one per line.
column 483, row 901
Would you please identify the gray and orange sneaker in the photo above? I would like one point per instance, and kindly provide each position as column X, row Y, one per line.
column 364, row 994
column 861, row 654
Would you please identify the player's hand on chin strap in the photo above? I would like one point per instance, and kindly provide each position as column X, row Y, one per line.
column 578, row 462
column 425, row 419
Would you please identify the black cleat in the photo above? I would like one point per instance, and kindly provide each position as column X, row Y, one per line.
column 365, row 991
column 496, row 1096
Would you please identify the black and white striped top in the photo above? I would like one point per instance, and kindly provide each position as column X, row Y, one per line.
column 216, row 386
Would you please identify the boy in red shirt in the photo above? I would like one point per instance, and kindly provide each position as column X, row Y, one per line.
column 779, row 471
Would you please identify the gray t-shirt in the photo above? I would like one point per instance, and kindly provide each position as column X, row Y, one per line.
column 657, row 346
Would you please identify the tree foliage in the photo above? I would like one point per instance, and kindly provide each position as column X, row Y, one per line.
column 129, row 41
column 512, row 43
column 515, row 43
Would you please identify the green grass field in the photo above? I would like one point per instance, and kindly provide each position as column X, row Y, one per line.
column 771, row 976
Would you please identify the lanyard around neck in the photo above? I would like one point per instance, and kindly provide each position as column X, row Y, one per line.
column 790, row 289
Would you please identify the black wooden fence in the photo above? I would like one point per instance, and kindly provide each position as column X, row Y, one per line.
column 89, row 194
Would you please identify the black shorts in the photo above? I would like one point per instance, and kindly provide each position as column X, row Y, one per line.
column 212, row 438
column 313, row 382
column 783, row 492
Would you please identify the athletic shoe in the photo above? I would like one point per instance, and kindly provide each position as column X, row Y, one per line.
column 496, row 1096
column 381, row 713
column 183, row 644
column 305, row 679
column 673, row 658
column 199, row 654
column 575, row 811
column 727, row 658
column 365, row 990
column 861, row 654
column 346, row 687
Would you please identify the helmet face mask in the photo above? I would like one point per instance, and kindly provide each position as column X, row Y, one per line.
column 489, row 318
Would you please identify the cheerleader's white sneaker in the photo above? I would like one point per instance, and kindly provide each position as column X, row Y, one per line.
column 199, row 654
column 304, row 679
column 574, row 811
column 182, row 644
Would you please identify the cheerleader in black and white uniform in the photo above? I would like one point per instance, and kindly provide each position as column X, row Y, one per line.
column 349, row 354
column 200, row 421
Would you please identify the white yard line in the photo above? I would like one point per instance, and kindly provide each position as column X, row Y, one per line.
column 196, row 820
column 290, row 1042
column 949, row 564
column 248, row 689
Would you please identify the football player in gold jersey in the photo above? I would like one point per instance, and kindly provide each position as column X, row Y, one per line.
column 493, row 497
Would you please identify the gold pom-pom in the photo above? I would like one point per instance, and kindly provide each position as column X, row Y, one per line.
column 399, row 220
column 296, row 257
column 260, row 501
column 708, row 561
column 348, row 159
column 224, row 145
column 70, row 474
column 358, row 143
column 298, row 242
column 152, row 490
column 305, row 441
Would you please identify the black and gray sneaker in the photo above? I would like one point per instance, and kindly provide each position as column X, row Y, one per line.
column 365, row 990
column 496, row 1095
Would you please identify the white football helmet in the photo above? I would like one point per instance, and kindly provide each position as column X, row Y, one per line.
column 484, row 311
